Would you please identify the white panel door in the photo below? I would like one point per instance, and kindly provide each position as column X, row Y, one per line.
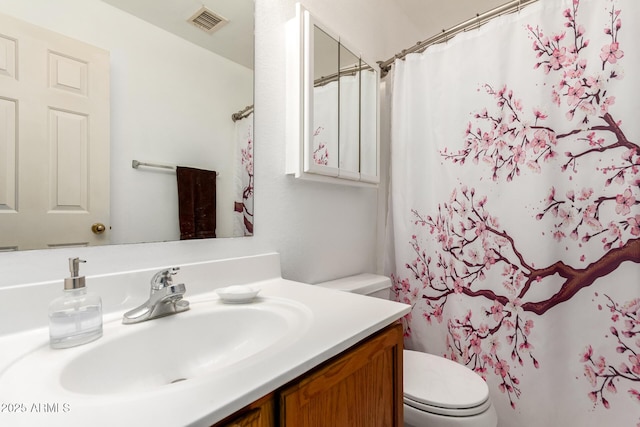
column 54, row 139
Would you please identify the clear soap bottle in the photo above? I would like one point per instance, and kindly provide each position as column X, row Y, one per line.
column 75, row 318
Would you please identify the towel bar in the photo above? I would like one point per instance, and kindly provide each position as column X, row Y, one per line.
column 135, row 164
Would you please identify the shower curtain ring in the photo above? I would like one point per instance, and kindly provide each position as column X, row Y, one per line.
column 477, row 20
column 519, row 1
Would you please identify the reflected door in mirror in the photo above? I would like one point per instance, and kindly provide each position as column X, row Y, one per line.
column 54, row 139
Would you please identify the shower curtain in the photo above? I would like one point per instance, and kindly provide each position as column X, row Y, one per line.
column 514, row 222
column 243, row 206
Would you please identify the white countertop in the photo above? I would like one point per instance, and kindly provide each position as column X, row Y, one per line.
column 338, row 320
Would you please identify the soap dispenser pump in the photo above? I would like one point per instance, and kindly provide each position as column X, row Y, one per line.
column 75, row 318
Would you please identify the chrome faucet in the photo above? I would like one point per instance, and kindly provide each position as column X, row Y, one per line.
column 165, row 299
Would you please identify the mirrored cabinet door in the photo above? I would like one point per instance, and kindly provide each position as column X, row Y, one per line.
column 332, row 106
column 349, row 114
column 323, row 144
column 369, row 123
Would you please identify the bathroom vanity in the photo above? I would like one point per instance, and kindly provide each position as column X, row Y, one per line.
column 359, row 387
column 296, row 355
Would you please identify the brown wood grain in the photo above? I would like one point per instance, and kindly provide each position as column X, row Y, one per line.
column 260, row 413
column 360, row 388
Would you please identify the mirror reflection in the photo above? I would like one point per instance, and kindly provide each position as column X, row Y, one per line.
column 325, row 99
column 368, row 123
column 344, row 127
column 169, row 102
column 349, row 86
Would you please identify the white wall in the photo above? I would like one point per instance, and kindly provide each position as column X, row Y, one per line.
column 165, row 107
column 322, row 231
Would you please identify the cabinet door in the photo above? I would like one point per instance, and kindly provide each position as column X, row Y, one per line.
column 369, row 147
column 360, row 388
column 322, row 131
column 259, row 414
column 349, row 114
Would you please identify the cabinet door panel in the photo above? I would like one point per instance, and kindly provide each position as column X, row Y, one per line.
column 362, row 388
column 259, row 414
column 321, row 155
column 369, row 148
column 349, row 114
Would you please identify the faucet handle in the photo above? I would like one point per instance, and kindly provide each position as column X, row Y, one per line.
column 162, row 278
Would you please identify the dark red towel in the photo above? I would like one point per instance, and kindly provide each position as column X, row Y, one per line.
column 196, row 203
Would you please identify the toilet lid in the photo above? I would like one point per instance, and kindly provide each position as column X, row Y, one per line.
column 433, row 381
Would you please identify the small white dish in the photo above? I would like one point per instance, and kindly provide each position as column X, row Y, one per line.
column 237, row 294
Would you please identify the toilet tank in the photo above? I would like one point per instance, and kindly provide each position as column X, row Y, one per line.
column 365, row 284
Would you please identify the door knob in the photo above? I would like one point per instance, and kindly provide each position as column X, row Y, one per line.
column 98, row 228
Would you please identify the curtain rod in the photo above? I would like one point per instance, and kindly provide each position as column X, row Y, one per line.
column 480, row 19
column 346, row 71
column 318, row 82
column 242, row 113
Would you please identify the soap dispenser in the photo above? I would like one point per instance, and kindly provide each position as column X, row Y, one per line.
column 75, row 318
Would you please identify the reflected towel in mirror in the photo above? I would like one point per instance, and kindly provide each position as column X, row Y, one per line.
column 196, row 203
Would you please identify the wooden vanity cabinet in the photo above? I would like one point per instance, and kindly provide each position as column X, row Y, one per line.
column 361, row 387
column 260, row 413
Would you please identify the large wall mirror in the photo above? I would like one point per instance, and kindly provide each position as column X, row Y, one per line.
column 176, row 73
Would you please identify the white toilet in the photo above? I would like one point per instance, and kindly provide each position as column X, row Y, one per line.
column 437, row 392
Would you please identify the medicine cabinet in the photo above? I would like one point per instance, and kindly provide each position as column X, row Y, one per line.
column 332, row 106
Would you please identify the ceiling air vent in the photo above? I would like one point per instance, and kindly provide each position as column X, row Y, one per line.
column 207, row 20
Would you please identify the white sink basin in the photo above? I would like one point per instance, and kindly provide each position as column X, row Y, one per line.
column 192, row 346
column 230, row 355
